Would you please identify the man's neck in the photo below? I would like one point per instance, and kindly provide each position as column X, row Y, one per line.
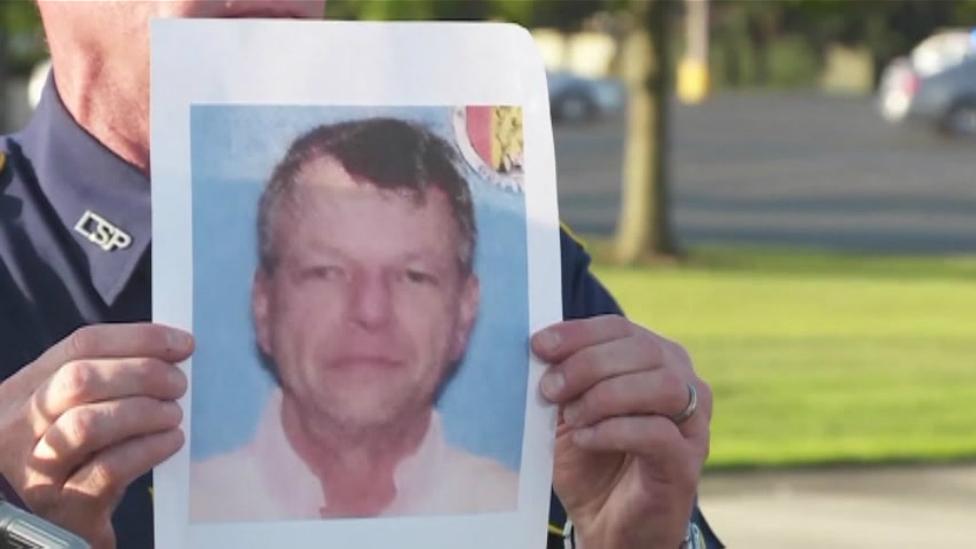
column 110, row 104
column 357, row 468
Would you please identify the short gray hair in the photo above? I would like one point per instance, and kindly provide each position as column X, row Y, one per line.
column 386, row 152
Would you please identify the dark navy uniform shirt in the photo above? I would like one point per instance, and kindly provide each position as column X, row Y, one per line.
column 55, row 278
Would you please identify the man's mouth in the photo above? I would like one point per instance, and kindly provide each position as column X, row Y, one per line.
column 372, row 362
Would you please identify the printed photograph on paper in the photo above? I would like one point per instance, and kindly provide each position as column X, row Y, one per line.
column 360, row 306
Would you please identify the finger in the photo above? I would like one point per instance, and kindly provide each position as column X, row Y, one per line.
column 89, row 381
column 115, row 341
column 105, row 477
column 660, row 392
column 555, row 343
column 85, row 430
column 590, row 365
column 654, row 437
column 663, row 452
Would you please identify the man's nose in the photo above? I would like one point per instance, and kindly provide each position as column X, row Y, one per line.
column 371, row 300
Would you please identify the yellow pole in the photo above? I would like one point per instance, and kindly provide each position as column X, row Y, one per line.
column 693, row 81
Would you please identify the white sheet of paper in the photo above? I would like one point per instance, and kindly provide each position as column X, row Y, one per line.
column 227, row 99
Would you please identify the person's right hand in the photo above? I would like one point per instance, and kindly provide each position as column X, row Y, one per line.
column 92, row 414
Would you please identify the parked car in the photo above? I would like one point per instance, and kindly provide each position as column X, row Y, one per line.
column 574, row 98
column 936, row 84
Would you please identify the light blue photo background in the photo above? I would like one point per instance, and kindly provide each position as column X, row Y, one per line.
column 233, row 150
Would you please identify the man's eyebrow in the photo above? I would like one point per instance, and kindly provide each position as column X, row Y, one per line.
column 427, row 257
column 316, row 248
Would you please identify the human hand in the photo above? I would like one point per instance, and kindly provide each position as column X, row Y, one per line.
column 89, row 416
column 626, row 473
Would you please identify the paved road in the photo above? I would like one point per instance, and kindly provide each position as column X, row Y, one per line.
column 787, row 169
column 890, row 508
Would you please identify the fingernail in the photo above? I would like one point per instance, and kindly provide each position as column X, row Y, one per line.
column 174, row 412
column 583, row 437
column 571, row 414
column 180, row 341
column 552, row 384
column 549, row 340
column 176, row 377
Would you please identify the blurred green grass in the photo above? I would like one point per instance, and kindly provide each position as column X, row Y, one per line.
column 820, row 358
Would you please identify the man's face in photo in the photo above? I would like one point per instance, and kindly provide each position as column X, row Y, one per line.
column 367, row 308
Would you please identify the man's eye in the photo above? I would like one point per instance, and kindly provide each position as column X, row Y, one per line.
column 419, row 277
column 324, row 272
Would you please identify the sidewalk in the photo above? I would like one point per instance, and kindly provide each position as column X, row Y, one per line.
column 853, row 508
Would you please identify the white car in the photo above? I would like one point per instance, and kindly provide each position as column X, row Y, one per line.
column 574, row 98
column 935, row 84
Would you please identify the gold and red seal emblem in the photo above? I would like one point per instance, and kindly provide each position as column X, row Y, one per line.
column 491, row 141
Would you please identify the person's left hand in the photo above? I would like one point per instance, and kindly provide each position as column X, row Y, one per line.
column 625, row 472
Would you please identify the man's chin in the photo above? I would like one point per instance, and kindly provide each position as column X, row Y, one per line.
column 373, row 412
column 364, row 421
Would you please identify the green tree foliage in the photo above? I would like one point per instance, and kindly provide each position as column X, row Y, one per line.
column 747, row 34
column 21, row 39
column 563, row 14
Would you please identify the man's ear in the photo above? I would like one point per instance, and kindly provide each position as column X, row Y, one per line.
column 261, row 309
column 468, row 304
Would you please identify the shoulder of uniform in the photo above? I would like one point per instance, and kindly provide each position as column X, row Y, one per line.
column 10, row 152
column 575, row 252
column 569, row 233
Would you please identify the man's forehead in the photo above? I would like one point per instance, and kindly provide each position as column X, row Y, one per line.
column 326, row 176
column 325, row 170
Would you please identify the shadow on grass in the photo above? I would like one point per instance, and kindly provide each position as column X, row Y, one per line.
column 843, row 463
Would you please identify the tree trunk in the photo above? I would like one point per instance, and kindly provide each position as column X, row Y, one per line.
column 643, row 228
